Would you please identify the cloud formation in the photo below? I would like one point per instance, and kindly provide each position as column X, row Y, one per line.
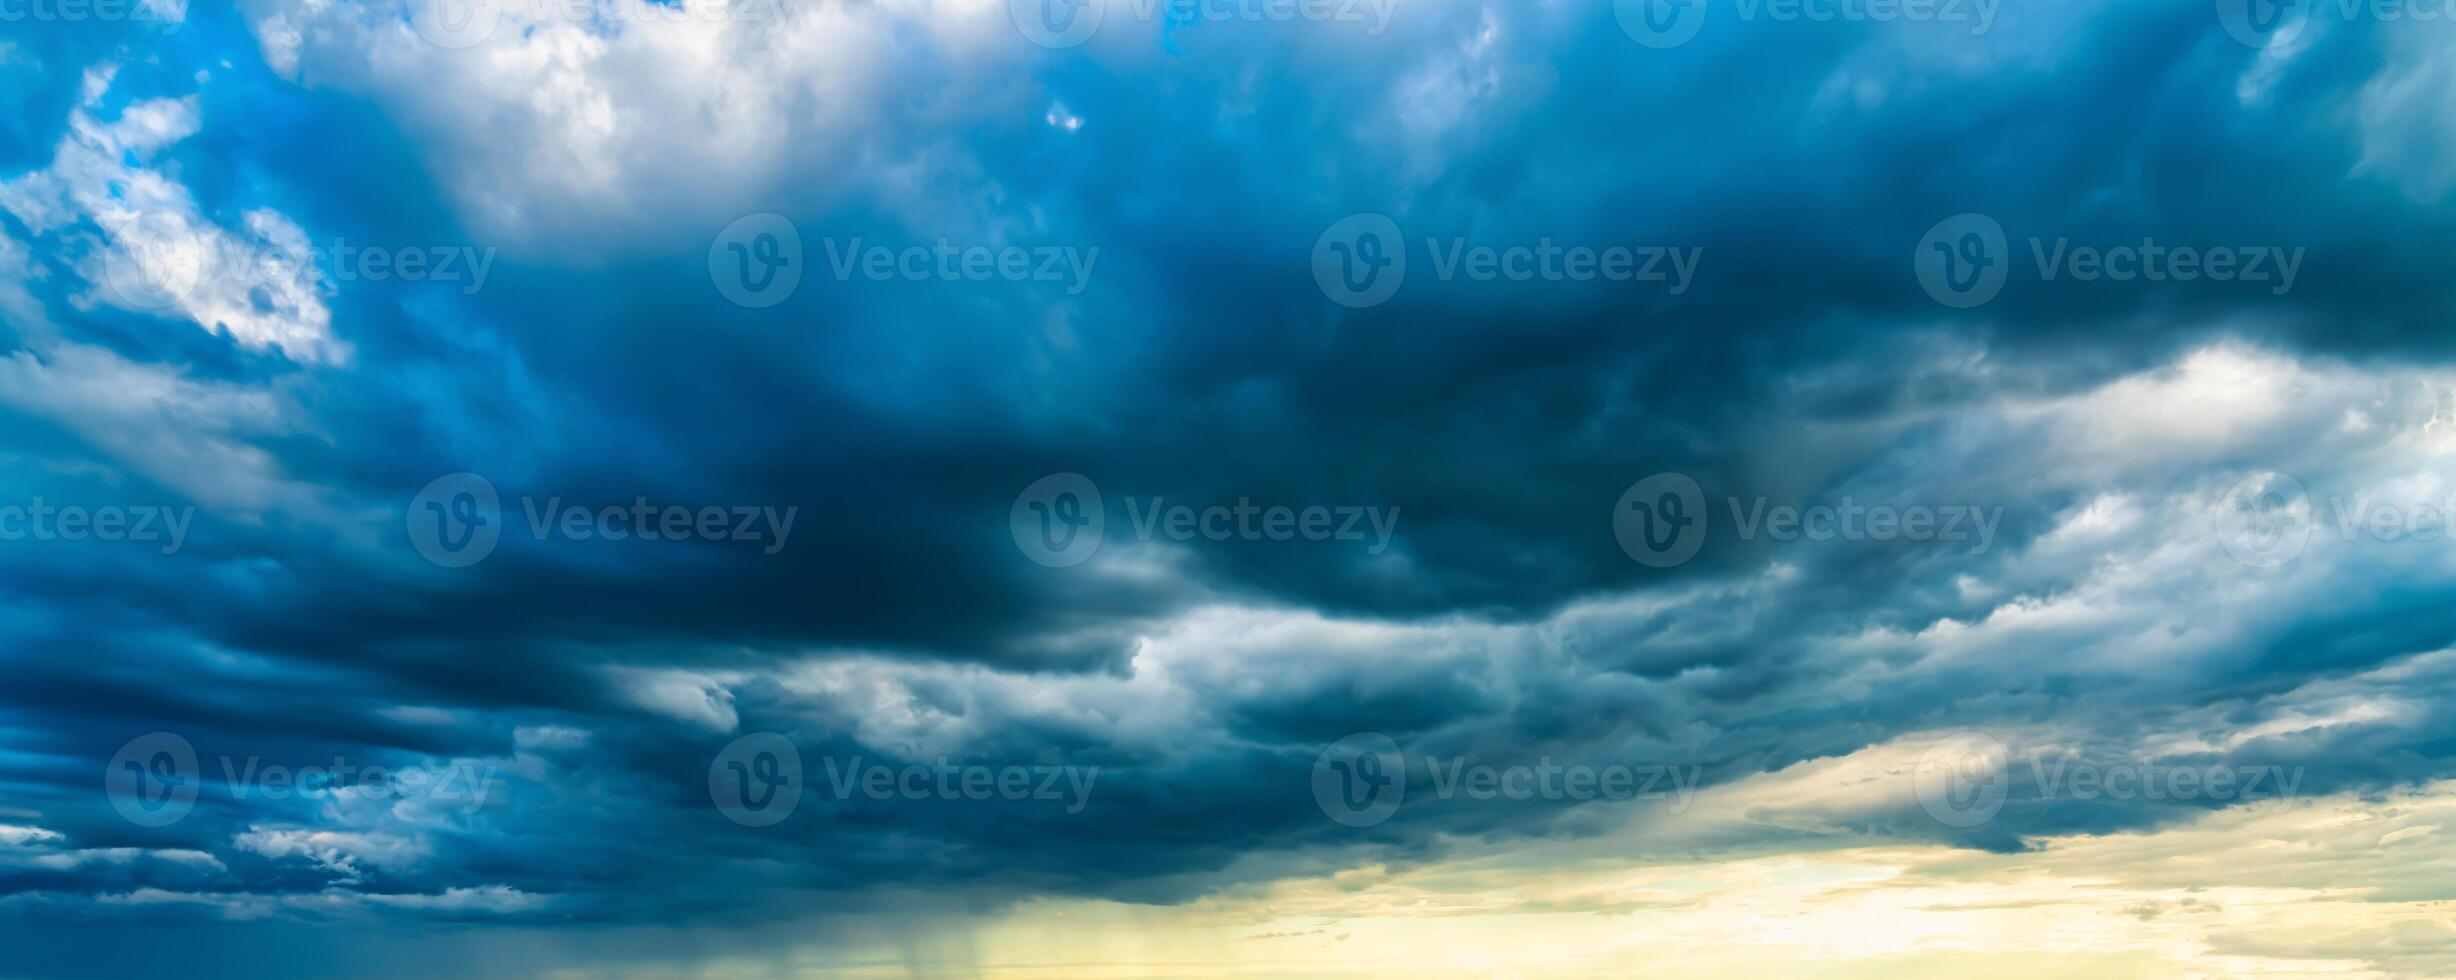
column 2128, row 524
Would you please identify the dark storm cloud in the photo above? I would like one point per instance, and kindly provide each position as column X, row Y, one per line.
column 1201, row 365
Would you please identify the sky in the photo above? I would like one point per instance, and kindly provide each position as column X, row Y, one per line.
column 1234, row 488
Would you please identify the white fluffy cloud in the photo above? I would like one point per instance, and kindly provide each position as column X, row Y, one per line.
column 709, row 103
column 156, row 252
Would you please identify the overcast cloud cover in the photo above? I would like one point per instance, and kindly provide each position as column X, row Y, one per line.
column 292, row 290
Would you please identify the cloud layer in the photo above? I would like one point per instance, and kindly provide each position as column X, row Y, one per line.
column 292, row 291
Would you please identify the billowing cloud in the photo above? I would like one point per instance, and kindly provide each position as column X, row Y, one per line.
column 789, row 474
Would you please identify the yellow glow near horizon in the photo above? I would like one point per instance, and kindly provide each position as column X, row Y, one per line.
column 2335, row 886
